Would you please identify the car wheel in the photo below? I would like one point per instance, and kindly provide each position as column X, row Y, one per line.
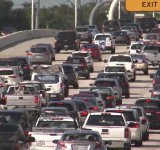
column 146, row 71
column 133, row 80
column 113, row 51
column 127, row 95
column 90, row 41
column 138, row 143
column 76, row 86
column 91, row 69
column 146, row 136
column 53, row 58
column 88, row 76
column 66, row 91
column 57, row 50
column 100, row 59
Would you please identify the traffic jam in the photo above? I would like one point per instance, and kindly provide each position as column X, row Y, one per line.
column 38, row 113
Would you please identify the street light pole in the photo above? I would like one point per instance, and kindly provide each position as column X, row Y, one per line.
column 119, row 10
column 75, row 13
column 32, row 16
column 37, row 15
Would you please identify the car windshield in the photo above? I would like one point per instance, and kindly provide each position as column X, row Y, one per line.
column 38, row 50
column 149, row 104
column 147, row 24
column 9, row 63
column 105, row 83
column 136, row 46
column 82, row 29
column 119, row 33
column 6, row 72
column 80, row 54
column 120, row 59
column 88, row 46
column 151, row 49
column 21, row 90
column 65, row 105
column 47, row 79
column 56, row 124
column 38, row 86
column 119, row 77
column 129, row 28
column 105, row 120
column 114, row 69
column 91, row 27
column 88, row 100
column 111, row 23
column 102, row 37
column 151, row 37
column 124, row 22
column 75, row 60
column 137, row 56
column 155, row 31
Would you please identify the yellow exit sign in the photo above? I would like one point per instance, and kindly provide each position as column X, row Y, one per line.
column 142, row 5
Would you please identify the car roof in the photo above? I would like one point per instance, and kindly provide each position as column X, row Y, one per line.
column 29, row 85
column 76, row 57
column 114, row 65
column 80, row 52
column 120, row 55
column 121, row 73
column 81, row 131
column 105, row 79
column 38, row 46
column 81, row 27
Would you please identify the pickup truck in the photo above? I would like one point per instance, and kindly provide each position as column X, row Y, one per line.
column 22, row 96
column 108, row 125
column 127, row 61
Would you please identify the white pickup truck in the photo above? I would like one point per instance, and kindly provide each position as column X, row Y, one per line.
column 111, row 126
column 127, row 61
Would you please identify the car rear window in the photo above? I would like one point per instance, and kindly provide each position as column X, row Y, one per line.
column 38, row 50
column 92, row 27
column 137, row 56
column 102, row 90
column 147, row 24
column 111, row 23
column 151, row 37
column 149, row 104
column 65, row 105
column 120, row 59
column 88, row 92
column 119, row 33
column 129, row 28
column 119, row 77
column 155, row 31
column 6, row 72
column 9, row 63
column 80, row 54
column 114, row 69
column 101, row 75
column 47, row 79
column 124, row 22
column 68, row 35
column 82, row 29
column 146, row 19
column 136, row 46
column 80, row 105
column 102, row 37
column 105, row 83
column 75, row 60
column 89, row 46
column 88, row 100
column 38, row 86
column 134, row 25
column 105, row 120
column 156, row 96
column 151, row 49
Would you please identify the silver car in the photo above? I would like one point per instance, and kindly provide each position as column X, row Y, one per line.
column 93, row 28
column 81, row 139
column 132, row 32
column 40, row 55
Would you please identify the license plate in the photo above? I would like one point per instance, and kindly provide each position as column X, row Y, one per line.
column 148, row 114
column 53, row 95
column 80, row 147
column 39, row 56
column 40, row 143
column 66, row 46
column 110, row 28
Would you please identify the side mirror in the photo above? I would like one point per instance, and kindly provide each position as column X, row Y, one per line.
column 105, row 61
column 5, row 81
column 27, row 51
column 108, row 142
column 40, row 92
column 136, row 61
column 138, row 51
column 144, row 121
column 131, row 124
column 31, row 139
column 150, row 90
column 151, row 76
column 102, row 70
column 48, row 89
column 91, row 84
column 127, row 47
column 55, row 141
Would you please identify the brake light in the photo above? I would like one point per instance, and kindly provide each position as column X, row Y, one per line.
column 124, row 83
column 1, row 84
column 17, row 146
column 128, row 52
column 110, row 97
column 5, row 98
column 60, row 103
column 29, row 54
column 154, row 81
column 158, row 113
column 55, row 43
column 61, row 85
column 135, row 126
column 119, row 111
column 76, row 42
column 83, row 64
column 93, row 42
column 148, row 100
column 144, row 119
column 26, row 67
column 46, row 54
column 85, row 113
column 126, row 133
column 29, row 143
column 84, row 99
column 98, row 144
column 36, row 99
column 95, row 108
column 102, row 28
column 61, row 143
column 13, row 76
column 132, row 66
column 21, row 85
column 153, row 93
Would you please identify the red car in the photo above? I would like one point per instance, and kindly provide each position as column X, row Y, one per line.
column 95, row 51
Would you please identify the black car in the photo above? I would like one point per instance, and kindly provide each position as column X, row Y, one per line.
column 72, row 76
column 123, row 22
column 26, row 66
column 67, row 40
column 122, row 37
column 148, row 26
column 80, row 64
column 146, row 19
column 152, row 109
column 8, row 30
column 13, row 137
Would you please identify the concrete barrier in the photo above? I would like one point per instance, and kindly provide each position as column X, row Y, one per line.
column 27, row 35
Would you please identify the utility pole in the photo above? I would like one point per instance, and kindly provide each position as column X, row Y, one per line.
column 32, row 16
column 37, row 14
column 75, row 13
column 119, row 10
column 153, row 15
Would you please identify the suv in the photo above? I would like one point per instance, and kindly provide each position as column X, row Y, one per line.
column 80, row 64
column 110, row 26
column 40, row 55
column 84, row 33
column 67, row 40
column 94, row 29
column 148, row 26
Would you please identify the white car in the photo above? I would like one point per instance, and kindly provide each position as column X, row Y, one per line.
column 3, row 88
column 88, row 57
column 134, row 47
column 11, row 76
column 127, row 61
column 105, row 42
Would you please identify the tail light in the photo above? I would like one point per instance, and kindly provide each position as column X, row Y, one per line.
column 46, row 54
column 13, row 76
column 26, row 132
column 83, row 64
column 95, row 108
column 124, row 83
column 29, row 54
column 85, row 113
column 154, row 81
column 126, row 133
column 93, row 42
column 61, row 85
column 76, row 42
column 153, row 93
column 55, row 43
column 135, row 126
column 5, row 98
column 36, row 99
column 132, row 66
column 98, row 144
column 102, row 28
column 29, row 143
column 128, row 52
column 110, row 97
column 17, row 146
column 1, row 84
column 158, row 113
column 61, row 143
column 26, row 67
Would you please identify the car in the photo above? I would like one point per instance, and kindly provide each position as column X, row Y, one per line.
column 94, row 50
column 40, row 88
column 67, row 40
column 127, row 61
column 110, row 82
column 108, row 95
column 26, row 66
column 122, row 37
column 132, row 49
column 9, row 131
column 39, row 55
column 123, row 82
column 142, row 64
column 87, row 56
column 51, row 49
column 156, row 30
column 155, row 90
column 84, row 33
column 105, row 41
column 8, row 30
column 110, row 26
column 91, row 140
column 151, row 38
column 138, row 28
column 80, row 64
column 123, row 22
column 146, row 19
column 131, row 115
column 94, row 29
column 155, row 77
column 72, row 75
column 132, row 32
column 152, row 109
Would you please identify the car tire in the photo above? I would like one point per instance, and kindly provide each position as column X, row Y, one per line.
column 91, row 69
column 127, row 95
column 66, row 91
column 53, row 58
column 88, row 76
column 128, row 147
column 146, row 136
column 100, row 59
column 57, row 50
column 146, row 71
column 76, row 86
column 138, row 143
column 134, row 79
column 120, row 101
column 113, row 51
